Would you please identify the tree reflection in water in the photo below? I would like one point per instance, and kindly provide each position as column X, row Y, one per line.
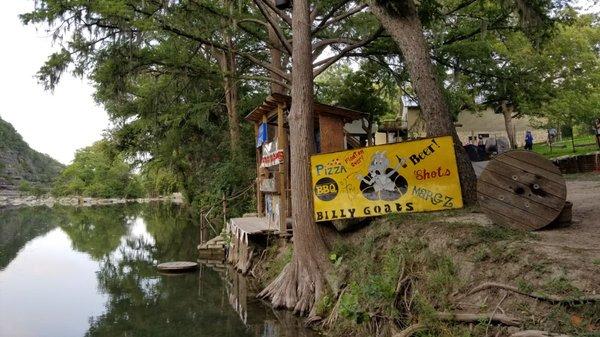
column 128, row 242
column 19, row 226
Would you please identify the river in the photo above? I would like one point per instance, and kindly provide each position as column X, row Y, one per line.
column 68, row 272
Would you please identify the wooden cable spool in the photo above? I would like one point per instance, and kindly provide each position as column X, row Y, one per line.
column 521, row 190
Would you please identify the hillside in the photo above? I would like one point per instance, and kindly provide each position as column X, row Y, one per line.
column 19, row 163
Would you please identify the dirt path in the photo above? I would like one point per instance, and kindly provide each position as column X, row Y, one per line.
column 584, row 232
column 573, row 251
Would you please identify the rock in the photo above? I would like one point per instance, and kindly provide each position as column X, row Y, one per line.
column 17, row 200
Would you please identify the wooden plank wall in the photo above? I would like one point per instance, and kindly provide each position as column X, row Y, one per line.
column 332, row 133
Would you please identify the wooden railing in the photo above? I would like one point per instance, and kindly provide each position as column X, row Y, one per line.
column 208, row 222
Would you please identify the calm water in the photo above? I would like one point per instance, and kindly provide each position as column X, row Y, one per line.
column 91, row 272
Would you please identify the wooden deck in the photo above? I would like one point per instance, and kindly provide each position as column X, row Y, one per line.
column 242, row 227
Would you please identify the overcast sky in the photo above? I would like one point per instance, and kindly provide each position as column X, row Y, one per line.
column 54, row 123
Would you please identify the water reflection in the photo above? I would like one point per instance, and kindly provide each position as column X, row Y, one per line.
column 17, row 227
column 266, row 322
column 91, row 272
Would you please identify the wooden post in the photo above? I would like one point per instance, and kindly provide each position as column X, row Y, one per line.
column 201, row 227
column 282, row 145
column 224, row 210
column 259, row 196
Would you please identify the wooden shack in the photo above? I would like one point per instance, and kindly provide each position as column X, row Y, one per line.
column 273, row 206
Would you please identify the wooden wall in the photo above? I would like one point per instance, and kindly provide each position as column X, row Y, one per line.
column 332, row 133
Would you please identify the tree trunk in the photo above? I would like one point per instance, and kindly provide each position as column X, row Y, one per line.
column 227, row 63
column 302, row 282
column 507, row 111
column 276, row 55
column 406, row 30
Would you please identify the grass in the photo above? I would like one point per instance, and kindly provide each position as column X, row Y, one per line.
column 565, row 147
column 277, row 260
column 396, row 273
column 371, row 271
column 587, row 176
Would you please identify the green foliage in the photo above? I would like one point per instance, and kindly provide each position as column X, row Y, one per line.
column 24, row 186
column 350, row 306
column 162, row 89
column 361, row 90
column 99, row 171
column 556, row 79
column 93, row 231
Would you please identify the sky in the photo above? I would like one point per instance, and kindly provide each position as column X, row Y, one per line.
column 53, row 123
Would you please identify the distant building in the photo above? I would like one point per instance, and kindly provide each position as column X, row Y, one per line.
column 469, row 126
column 487, row 123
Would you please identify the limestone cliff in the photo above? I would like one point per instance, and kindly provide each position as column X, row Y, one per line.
column 20, row 165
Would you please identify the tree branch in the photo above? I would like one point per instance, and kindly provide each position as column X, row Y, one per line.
column 329, row 15
column 266, row 79
column 324, row 64
column 537, row 333
column 544, row 297
column 469, row 35
column 284, row 42
column 326, row 42
column 476, row 318
column 410, row 330
column 281, row 14
column 346, row 14
column 459, row 7
column 258, row 22
column 265, row 65
column 215, row 45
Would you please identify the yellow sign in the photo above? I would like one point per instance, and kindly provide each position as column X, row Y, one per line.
column 412, row 176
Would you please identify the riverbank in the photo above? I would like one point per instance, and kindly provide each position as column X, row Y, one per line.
column 13, row 199
column 456, row 274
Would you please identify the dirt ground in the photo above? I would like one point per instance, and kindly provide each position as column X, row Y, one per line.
column 584, row 232
column 573, row 250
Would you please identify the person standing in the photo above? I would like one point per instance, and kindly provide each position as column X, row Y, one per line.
column 597, row 129
column 528, row 140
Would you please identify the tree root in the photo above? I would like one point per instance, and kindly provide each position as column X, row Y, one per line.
column 539, row 296
column 294, row 289
column 476, row 318
column 536, row 333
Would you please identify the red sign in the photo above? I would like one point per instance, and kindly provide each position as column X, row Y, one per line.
column 271, row 155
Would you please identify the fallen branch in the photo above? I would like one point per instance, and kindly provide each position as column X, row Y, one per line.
column 539, row 296
column 536, row 333
column 410, row 330
column 476, row 318
column 333, row 316
column 494, row 312
column 468, row 318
